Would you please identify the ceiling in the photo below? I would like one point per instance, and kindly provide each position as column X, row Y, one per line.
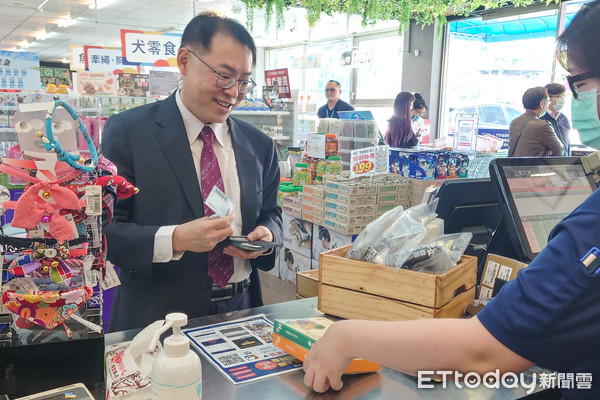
column 22, row 20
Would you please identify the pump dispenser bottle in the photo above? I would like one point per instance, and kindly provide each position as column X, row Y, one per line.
column 176, row 371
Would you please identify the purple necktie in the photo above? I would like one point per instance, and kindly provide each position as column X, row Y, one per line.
column 220, row 266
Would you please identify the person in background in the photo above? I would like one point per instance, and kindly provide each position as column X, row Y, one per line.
column 400, row 132
column 323, row 244
column 333, row 90
column 548, row 315
column 418, row 109
column 530, row 136
column 558, row 120
column 166, row 240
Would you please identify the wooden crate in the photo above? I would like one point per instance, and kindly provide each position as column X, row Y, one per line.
column 429, row 290
column 307, row 283
column 347, row 303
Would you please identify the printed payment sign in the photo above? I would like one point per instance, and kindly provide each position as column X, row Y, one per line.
column 369, row 161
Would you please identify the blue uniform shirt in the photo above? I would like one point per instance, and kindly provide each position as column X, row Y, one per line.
column 325, row 112
column 550, row 314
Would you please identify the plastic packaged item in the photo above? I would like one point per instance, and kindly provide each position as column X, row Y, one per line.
column 62, row 89
column 312, row 165
column 176, row 372
column 331, row 145
column 333, row 165
column 285, row 191
column 318, row 180
column 321, row 168
column 301, row 175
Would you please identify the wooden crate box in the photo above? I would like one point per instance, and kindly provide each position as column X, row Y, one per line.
column 351, row 304
column 307, row 283
column 425, row 289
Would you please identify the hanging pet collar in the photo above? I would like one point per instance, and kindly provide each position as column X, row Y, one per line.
column 51, row 144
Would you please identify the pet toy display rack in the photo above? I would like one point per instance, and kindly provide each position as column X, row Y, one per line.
column 53, row 271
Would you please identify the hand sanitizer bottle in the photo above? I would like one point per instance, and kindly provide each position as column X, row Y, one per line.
column 176, row 371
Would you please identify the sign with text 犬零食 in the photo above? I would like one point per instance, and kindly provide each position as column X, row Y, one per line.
column 369, row 161
column 156, row 49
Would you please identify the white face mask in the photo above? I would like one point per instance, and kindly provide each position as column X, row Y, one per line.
column 560, row 102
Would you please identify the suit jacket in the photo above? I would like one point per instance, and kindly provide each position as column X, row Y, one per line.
column 150, row 147
column 562, row 128
column 537, row 138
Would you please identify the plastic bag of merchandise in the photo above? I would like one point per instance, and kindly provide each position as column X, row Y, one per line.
column 372, row 233
column 405, row 232
column 442, row 253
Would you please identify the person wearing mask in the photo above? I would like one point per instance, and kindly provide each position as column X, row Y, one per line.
column 548, row 315
column 558, row 120
column 400, row 132
column 167, row 240
column 530, row 136
column 418, row 109
column 333, row 90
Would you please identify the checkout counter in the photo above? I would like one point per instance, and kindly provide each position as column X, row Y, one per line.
column 386, row 384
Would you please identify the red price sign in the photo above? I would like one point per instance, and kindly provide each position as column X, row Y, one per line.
column 362, row 167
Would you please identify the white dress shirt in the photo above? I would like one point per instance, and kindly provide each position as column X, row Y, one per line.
column 163, row 239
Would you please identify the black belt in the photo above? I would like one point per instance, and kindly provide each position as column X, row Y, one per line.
column 230, row 290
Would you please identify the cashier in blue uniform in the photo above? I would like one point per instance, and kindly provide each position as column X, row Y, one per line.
column 333, row 90
column 549, row 315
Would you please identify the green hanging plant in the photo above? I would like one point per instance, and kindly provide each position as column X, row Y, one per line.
column 424, row 12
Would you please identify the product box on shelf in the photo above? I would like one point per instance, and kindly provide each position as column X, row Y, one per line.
column 292, row 206
column 325, row 240
column 500, row 267
column 314, row 190
column 290, row 263
column 297, row 235
column 357, row 289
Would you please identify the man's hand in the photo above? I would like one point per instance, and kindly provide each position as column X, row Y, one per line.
column 202, row 234
column 259, row 233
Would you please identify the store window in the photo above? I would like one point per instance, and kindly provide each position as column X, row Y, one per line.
column 490, row 63
column 382, row 79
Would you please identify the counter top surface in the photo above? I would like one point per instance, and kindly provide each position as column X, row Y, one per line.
column 387, row 384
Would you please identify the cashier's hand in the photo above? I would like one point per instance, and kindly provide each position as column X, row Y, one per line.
column 202, row 234
column 327, row 360
column 259, row 233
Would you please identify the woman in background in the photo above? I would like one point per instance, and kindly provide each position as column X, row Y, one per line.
column 419, row 108
column 400, row 132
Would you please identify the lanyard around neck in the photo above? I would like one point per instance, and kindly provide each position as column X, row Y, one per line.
column 327, row 112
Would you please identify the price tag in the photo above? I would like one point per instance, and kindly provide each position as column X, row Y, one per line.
column 315, row 145
column 93, row 200
column 111, row 278
column 369, row 161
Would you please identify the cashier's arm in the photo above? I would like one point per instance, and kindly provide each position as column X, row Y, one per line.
column 462, row 345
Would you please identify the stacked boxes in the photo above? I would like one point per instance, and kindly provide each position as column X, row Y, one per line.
column 292, row 205
column 295, row 255
column 313, row 203
column 391, row 192
column 349, row 205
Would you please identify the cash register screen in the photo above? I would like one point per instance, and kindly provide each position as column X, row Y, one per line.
column 536, row 194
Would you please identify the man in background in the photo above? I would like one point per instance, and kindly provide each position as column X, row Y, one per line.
column 558, row 120
column 334, row 104
column 530, row 136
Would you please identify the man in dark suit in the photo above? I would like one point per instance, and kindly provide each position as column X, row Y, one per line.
column 530, row 136
column 161, row 239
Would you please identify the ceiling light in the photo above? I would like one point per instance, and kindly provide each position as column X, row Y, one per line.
column 65, row 61
column 42, row 5
column 63, row 23
column 25, row 44
column 41, row 35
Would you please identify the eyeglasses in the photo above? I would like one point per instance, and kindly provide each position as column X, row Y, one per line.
column 546, row 99
column 572, row 80
column 331, row 90
column 225, row 81
column 420, row 113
